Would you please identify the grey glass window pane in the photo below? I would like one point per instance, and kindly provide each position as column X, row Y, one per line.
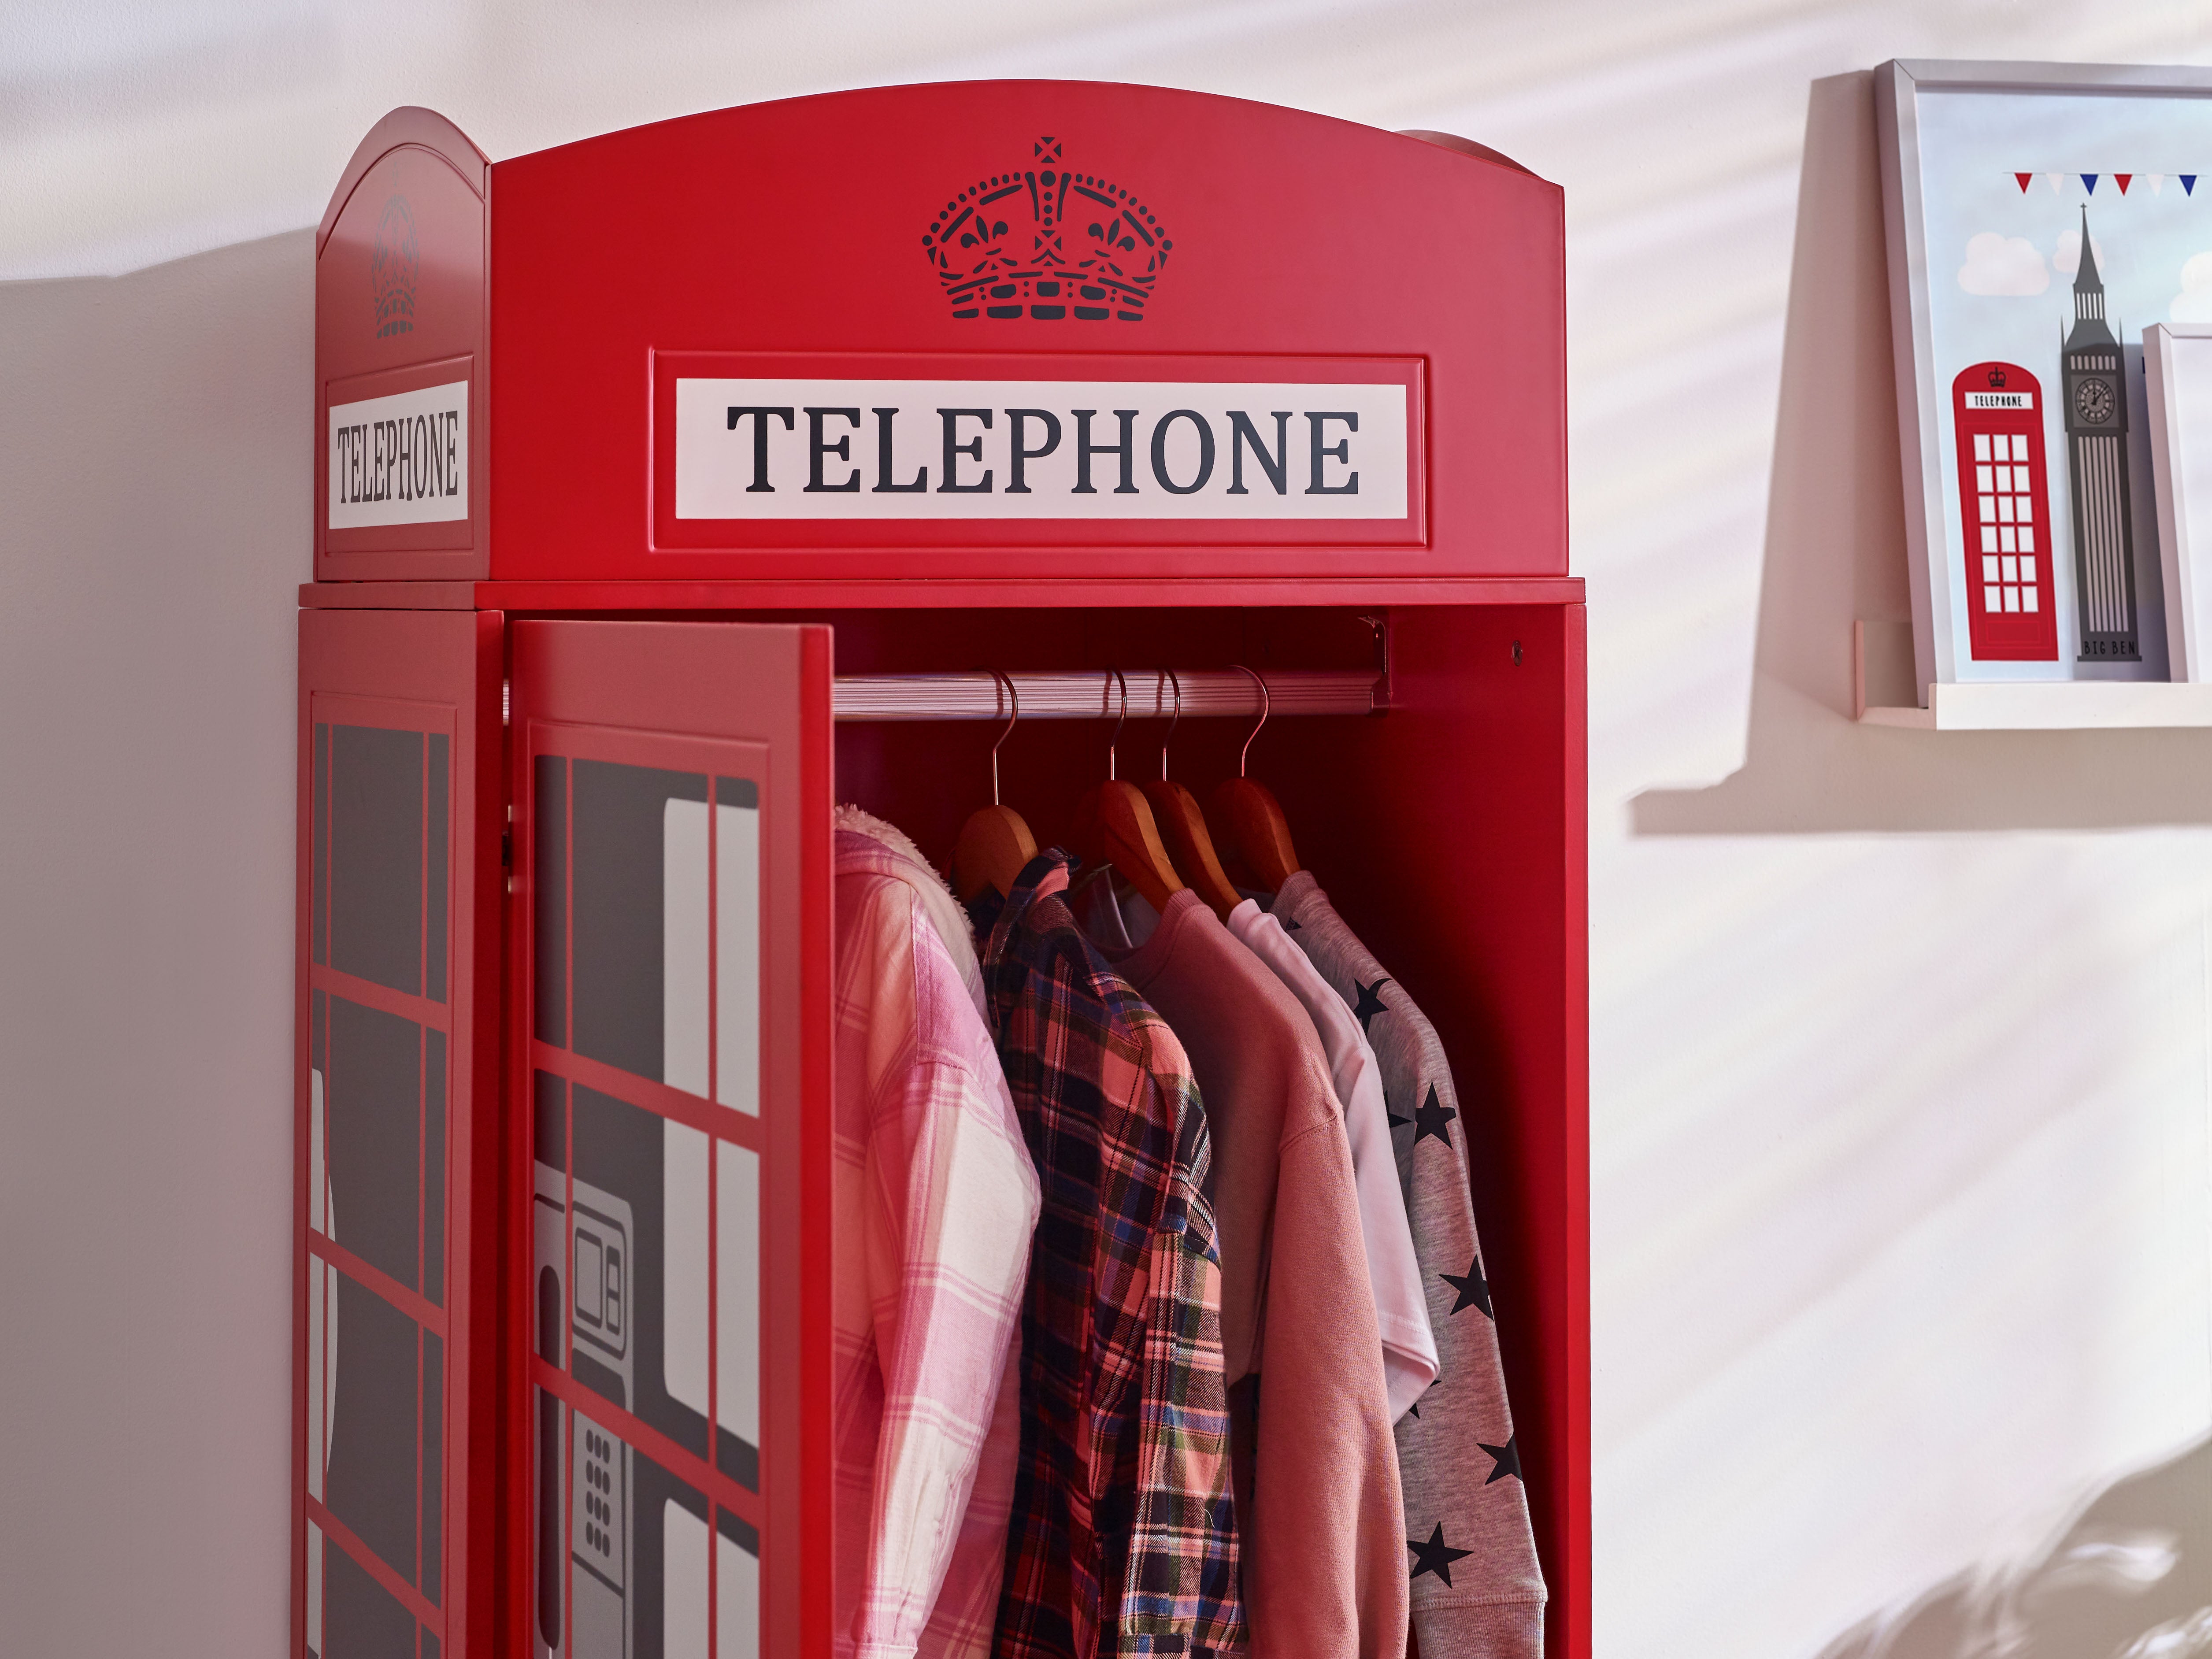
column 737, row 1588
column 319, row 821
column 549, row 873
column 639, row 1546
column 546, row 1567
column 373, row 1471
column 376, row 855
column 432, row 1490
column 616, row 1295
column 434, row 1166
column 736, row 1314
column 318, row 1019
column 429, row 1642
column 436, row 835
column 619, row 893
column 548, row 1119
column 371, row 1094
column 361, row 1619
column 738, row 1530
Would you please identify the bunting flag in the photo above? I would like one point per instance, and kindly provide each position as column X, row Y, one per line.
column 2126, row 181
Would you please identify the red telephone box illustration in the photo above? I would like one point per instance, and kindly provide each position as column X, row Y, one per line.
column 597, row 643
column 2004, row 508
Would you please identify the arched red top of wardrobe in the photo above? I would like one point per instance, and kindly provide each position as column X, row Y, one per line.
column 1303, row 247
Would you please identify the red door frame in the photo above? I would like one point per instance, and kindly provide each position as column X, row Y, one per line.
column 635, row 688
column 448, row 666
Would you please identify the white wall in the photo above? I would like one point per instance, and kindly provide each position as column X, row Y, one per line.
column 1902, row 1044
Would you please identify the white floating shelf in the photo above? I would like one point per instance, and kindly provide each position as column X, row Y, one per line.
column 2052, row 706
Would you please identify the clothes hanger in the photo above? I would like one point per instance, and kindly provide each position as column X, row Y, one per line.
column 1113, row 828
column 1247, row 810
column 994, row 846
column 1182, row 826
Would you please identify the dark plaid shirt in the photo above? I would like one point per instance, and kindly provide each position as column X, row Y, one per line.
column 1123, row 1538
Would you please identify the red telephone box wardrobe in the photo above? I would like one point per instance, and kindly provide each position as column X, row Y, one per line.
column 677, row 484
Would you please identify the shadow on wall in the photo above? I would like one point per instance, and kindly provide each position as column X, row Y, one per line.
column 155, row 460
column 1835, row 553
column 2130, row 1576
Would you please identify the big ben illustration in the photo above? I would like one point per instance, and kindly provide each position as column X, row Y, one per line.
column 2097, row 461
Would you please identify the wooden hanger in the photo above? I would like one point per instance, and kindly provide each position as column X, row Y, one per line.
column 994, row 846
column 1114, row 826
column 1251, row 817
column 1184, row 827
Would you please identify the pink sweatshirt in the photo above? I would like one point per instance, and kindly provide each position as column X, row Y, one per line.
column 1318, row 1490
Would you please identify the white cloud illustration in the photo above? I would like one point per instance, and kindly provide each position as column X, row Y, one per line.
column 1996, row 263
column 2068, row 253
column 2194, row 303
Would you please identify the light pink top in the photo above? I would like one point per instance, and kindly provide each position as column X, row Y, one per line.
column 1402, row 1311
column 935, row 1200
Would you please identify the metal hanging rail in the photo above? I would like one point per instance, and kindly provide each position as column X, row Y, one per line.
column 1095, row 693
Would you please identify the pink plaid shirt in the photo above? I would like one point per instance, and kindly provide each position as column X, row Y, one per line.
column 936, row 1199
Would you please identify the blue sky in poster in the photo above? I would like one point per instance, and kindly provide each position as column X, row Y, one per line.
column 2002, row 261
column 1972, row 143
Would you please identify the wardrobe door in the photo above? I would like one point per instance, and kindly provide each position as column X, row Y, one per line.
column 672, row 788
column 395, row 1080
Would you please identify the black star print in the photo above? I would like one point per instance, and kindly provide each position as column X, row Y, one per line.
column 1370, row 1005
column 1432, row 1118
column 1474, row 1289
column 1509, row 1461
column 1394, row 1121
column 1414, row 1410
column 1435, row 1556
column 1289, row 926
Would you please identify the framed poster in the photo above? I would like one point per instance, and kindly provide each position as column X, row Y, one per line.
column 2178, row 379
column 2039, row 216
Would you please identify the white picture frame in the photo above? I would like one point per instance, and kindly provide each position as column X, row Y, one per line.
column 2178, row 376
column 1950, row 134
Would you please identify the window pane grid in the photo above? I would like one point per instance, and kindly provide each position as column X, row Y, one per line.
column 648, row 1090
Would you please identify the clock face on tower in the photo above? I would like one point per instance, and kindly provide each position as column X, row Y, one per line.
column 2092, row 401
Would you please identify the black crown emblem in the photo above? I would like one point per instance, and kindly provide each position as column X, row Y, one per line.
column 1047, row 243
column 1997, row 377
column 394, row 261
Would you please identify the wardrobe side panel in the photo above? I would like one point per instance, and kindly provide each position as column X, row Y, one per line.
column 402, row 480
column 395, row 1093
column 1452, row 834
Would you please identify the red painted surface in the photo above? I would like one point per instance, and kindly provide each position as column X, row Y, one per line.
column 401, row 303
column 655, row 241
column 675, row 597
column 426, row 671
column 744, row 701
column 1451, row 831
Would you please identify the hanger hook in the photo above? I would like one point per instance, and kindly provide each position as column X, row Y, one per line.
column 1267, row 704
column 1122, row 681
column 1176, row 680
column 1015, row 698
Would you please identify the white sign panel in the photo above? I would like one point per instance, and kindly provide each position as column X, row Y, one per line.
column 1039, row 449
column 400, row 460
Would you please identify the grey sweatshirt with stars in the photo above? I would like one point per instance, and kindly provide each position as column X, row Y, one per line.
column 1476, row 1592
